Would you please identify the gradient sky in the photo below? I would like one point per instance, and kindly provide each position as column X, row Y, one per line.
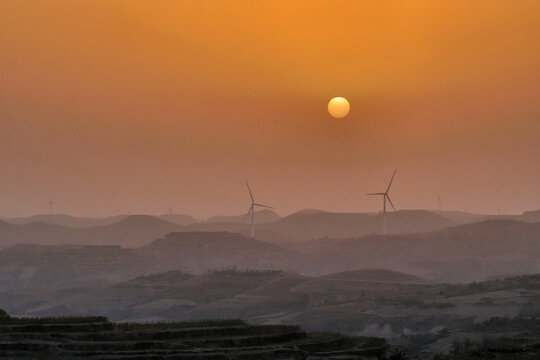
column 108, row 106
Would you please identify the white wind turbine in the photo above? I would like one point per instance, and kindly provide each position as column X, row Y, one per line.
column 252, row 210
column 386, row 197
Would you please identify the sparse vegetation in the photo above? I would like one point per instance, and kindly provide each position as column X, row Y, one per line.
column 416, row 302
column 230, row 339
column 52, row 320
column 234, row 271
column 129, row 326
column 504, row 324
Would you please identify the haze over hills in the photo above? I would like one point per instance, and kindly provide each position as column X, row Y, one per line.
column 309, row 211
column 395, row 286
column 137, row 230
column 261, row 216
column 310, row 225
column 460, row 217
column 79, row 222
column 527, row 216
column 180, row 219
column 61, row 266
column 462, row 253
column 66, row 220
column 369, row 302
column 131, row 231
column 470, row 252
column 196, row 252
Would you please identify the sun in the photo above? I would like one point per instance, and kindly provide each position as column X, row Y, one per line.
column 339, row 107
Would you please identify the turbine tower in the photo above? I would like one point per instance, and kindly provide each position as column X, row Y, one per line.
column 386, row 197
column 251, row 210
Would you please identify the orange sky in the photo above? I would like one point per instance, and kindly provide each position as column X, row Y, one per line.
column 113, row 105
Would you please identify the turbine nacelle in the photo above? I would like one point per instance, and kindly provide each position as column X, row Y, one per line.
column 386, row 197
column 251, row 210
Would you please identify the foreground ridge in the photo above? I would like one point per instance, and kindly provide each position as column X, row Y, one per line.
column 98, row 338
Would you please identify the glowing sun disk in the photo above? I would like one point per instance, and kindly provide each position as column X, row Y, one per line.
column 339, row 107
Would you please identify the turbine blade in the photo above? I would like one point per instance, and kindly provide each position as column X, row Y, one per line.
column 264, row 206
column 249, row 212
column 250, row 194
column 390, row 201
column 392, row 179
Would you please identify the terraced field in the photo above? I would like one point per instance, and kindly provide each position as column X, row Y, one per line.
column 97, row 338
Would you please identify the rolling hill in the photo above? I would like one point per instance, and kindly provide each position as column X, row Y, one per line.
column 527, row 216
column 80, row 222
column 197, row 252
column 180, row 219
column 261, row 217
column 132, row 231
column 66, row 220
column 304, row 226
column 462, row 253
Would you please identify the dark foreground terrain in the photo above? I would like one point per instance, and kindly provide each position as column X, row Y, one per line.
column 98, row 338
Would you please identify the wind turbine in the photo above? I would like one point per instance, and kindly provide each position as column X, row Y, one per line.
column 386, row 197
column 252, row 210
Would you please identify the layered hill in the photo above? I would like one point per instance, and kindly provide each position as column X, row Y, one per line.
column 309, row 225
column 66, row 220
column 462, row 253
column 132, row 231
column 527, row 216
column 370, row 302
column 261, row 217
column 81, row 222
column 137, row 230
column 61, row 266
column 201, row 251
column 180, row 219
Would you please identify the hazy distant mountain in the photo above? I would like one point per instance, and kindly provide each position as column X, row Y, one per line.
column 309, row 224
column 242, row 228
column 66, row 220
column 527, row 216
column 261, row 216
column 461, row 217
column 462, row 253
column 531, row 216
column 132, row 231
column 306, row 226
column 178, row 218
column 310, row 211
column 36, row 232
column 201, row 251
column 27, row 265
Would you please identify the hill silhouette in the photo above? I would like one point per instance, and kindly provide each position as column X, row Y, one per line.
column 131, row 231
column 309, row 225
column 461, row 217
column 461, row 253
column 261, row 216
column 180, row 219
column 138, row 230
column 79, row 221
column 527, row 216
column 66, row 220
column 201, row 251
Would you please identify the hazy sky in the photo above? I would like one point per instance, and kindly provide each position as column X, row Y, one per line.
column 113, row 105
